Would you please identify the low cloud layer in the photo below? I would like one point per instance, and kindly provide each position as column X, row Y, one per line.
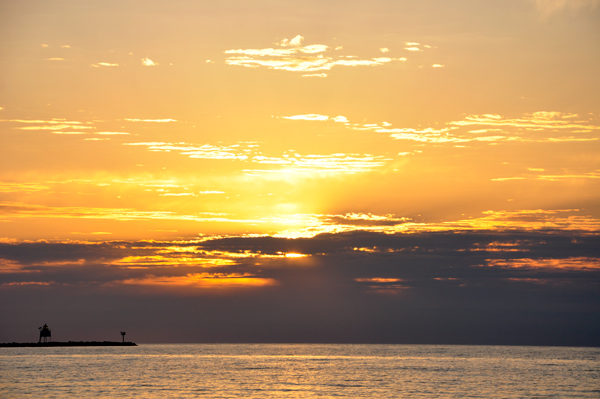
column 359, row 286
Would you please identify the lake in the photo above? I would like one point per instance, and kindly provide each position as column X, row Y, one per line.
column 300, row 371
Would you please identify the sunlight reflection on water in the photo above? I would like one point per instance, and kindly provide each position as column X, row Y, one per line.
column 300, row 371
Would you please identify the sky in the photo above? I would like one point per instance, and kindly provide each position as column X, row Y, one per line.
column 307, row 171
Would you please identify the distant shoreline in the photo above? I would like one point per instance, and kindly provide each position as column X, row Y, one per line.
column 61, row 344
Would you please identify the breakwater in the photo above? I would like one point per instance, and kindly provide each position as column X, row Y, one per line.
column 69, row 343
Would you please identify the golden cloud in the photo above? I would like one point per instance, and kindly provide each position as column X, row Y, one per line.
column 206, row 280
column 572, row 263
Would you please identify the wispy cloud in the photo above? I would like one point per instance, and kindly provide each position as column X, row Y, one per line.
column 536, row 120
column 104, row 64
column 571, row 263
column 307, row 117
column 55, row 121
column 151, row 120
column 84, row 185
column 491, row 128
column 316, row 117
column 56, row 127
column 315, row 75
column 416, row 47
column 178, row 195
column 205, row 151
column 289, row 162
column 9, row 187
column 17, row 210
column 292, row 56
column 20, row 210
column 338, row 163
column 548, row 177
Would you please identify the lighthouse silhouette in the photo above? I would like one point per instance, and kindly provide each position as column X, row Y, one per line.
column 45, row 333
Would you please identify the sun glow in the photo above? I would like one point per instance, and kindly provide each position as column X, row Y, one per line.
column 293, row 255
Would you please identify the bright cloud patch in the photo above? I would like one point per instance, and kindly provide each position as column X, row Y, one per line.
column 148, row 62
column 292, row 42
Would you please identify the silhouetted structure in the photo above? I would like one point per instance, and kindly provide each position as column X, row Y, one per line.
column 45, row 333
column 46, row 341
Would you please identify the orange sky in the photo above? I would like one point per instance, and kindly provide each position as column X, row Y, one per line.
column 146, row 120
column 237, row 118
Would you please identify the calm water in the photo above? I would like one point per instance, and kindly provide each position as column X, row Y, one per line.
column 300, row 371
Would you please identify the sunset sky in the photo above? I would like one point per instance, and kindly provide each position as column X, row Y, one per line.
column 310, row 171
